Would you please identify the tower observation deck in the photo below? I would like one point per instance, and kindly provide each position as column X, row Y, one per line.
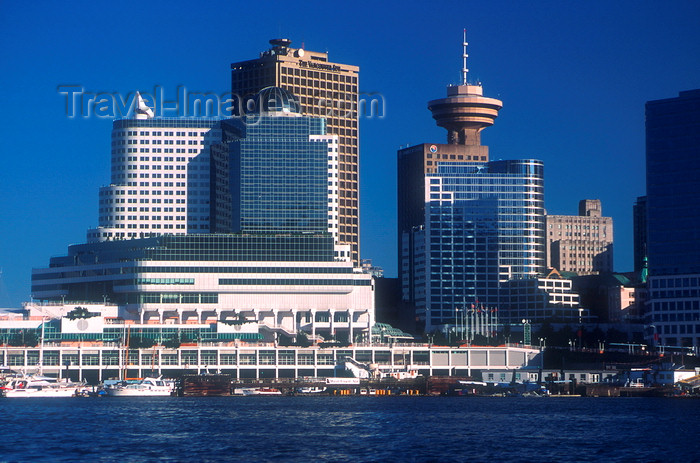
column 465, row 112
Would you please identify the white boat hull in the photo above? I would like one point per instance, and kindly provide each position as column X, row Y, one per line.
column 124, row 392
column 148, row 387
column 45, row 392
column 248, row 391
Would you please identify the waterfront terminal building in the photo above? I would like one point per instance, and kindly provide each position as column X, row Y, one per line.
column 280, row 264
column 92, row 348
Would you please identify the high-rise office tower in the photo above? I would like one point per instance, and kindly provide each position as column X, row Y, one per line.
column 160, row 180
column 581, row 243
column 464, row 113
column 484, row 226
column 283, row 170
column 673, row 218
column 324, row 89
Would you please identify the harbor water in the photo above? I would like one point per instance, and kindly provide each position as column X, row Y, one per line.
column 349, row 429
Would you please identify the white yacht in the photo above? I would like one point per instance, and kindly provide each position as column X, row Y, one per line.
column 39, row 386
column 147, row 387
column 260, row 391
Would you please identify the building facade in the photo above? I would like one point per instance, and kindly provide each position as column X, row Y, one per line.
column 280, row 284
column 160, row 178
column 465, row 112
column 673, row 219
column 538, row 300
column 414, row 163
column 581, row 243
column 324, row 89
column 92, row 349
column 484, row 225
column 279, row 267
column 283, row 170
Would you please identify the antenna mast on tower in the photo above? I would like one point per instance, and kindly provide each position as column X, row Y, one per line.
column 464, row 58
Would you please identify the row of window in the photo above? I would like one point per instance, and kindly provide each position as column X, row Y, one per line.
column 674, row 282
column 675, row 329
column 577, row 227
column 179, row 298
column 155, row 201
column 134, row 133
column 146, row 209
column 212, row 357
column 291, row 282
column 675, row 305
column 155, row 150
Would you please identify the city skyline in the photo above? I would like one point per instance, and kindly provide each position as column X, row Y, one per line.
column 587, row 73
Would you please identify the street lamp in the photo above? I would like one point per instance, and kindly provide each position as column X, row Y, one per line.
column 457, row 321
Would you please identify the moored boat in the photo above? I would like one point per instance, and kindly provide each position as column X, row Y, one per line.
column 261, row 391
column 39, row 386
column 147, row 387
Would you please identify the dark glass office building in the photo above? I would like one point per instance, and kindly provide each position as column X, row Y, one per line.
column 673, row 218
column 279, row 176
column 484, row 226
column 324, row 89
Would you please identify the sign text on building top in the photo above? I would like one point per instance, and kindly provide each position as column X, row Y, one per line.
column 315, row 65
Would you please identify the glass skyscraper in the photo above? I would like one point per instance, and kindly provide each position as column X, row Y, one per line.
column 283, row 169
column 324, row 89
column 484, row 225
column 673, row 218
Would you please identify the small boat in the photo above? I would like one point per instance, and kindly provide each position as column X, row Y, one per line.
column 261, row 391
column 40, row 386
column 311, row 390
column 147, row 387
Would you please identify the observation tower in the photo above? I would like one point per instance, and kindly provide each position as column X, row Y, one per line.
column 466, row 111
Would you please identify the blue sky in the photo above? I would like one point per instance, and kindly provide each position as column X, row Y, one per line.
column 573, row 78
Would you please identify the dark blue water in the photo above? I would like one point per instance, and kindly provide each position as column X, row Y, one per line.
column 354, row 429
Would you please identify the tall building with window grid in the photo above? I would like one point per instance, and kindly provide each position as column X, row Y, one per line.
column 673, row 219
column 484, row 226
column 160, row 179
column 325, row 89
column 283, row 170
column 581, row 243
